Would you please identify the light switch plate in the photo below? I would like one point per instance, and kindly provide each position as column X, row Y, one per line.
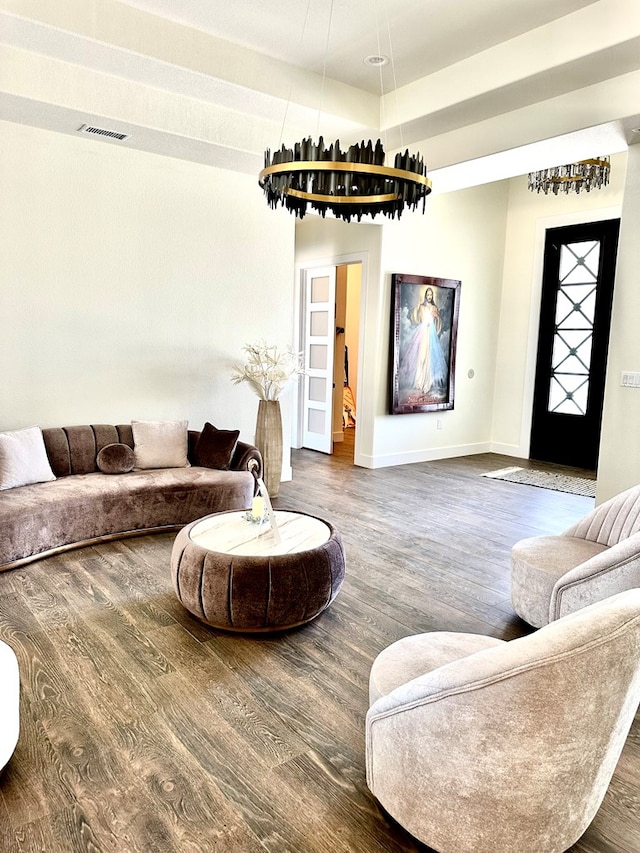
column 630, row 379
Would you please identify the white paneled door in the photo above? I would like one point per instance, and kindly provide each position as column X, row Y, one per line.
column 319, row 288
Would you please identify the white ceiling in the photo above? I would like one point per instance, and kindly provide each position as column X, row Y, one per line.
column 423, row 36
column 484, row 90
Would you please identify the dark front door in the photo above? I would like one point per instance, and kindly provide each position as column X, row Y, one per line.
column 575, row 315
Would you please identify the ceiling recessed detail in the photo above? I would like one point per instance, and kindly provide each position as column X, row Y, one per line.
column 376, row 60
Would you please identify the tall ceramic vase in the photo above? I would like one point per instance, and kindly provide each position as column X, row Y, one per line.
column 269, row 442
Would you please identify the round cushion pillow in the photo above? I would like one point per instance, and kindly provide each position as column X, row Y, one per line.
column 115, row 459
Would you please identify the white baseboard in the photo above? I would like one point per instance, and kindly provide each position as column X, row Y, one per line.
column 424, row 455
column 508, row 450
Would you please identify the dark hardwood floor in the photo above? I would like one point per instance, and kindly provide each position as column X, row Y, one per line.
column 145, row 730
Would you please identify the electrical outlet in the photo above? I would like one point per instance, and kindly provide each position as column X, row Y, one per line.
column 439, row 423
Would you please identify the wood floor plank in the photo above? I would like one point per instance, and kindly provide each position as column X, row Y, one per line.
column 344, row 813
column 309, row 704
column 105, row 680
column 193, row 815
column 85, row 594
column 229, row 704
column 247, row 785
column 68, row 829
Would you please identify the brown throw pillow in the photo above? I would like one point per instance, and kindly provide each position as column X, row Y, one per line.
column 115, row 459
column 215, row 447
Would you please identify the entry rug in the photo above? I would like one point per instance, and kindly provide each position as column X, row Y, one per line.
column 546, row 480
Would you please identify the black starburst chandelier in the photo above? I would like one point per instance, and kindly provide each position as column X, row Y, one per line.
column 349, row 184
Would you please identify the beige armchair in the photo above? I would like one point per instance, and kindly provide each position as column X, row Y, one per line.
column 597, row 557
column 476, row 745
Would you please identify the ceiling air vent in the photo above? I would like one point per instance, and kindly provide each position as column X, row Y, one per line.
column 101, row 131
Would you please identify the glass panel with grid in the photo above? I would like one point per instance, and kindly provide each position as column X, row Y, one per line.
column 573, row 336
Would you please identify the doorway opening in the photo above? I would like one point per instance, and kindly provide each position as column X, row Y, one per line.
column 573, row 341
column 330, row 331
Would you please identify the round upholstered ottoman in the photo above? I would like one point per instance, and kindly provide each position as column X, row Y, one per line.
column 234, row 575
column 9, row 703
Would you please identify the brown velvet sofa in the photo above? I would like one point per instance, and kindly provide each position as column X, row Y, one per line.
column 83, row 506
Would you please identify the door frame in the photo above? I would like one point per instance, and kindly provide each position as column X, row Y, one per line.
column 363, row 397
column 578, row 218
column 568, row 433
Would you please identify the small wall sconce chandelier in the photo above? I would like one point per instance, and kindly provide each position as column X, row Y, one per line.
column 348, row 183
column 574, row 177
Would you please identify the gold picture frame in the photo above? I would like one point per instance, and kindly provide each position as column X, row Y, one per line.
column 424, row 315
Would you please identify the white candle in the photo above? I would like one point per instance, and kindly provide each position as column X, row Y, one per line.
column 257, row 507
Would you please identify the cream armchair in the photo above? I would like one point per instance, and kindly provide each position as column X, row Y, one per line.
column 476, row 745
column 597, row 557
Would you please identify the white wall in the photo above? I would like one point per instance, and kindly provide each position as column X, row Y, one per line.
column 461, row 237
column 530, row 214
column 129, row 282
column 619, row 464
